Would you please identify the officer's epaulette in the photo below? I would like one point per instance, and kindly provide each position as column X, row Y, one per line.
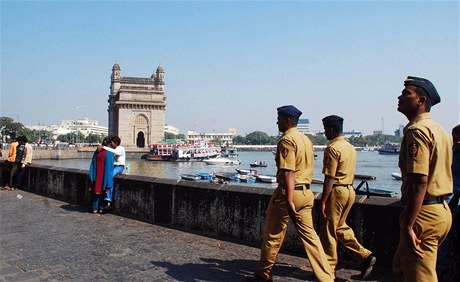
column 412, row 127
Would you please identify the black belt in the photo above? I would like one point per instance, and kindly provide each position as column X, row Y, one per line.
column 343, row 185
column 437, row 200
column 301, row 187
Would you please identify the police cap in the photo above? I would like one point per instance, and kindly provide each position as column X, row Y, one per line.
column 426, row 85
column 289, row 110
column 333, row 120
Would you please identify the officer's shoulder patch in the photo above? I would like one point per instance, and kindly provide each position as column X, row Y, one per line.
column 284, row 152
column 413, row 149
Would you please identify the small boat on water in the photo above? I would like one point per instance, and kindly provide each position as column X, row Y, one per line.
column 221, row 161
column 373, row 191
column 181, row 151
column 247, row 178
column 229, row 152
column 259, row 164
column 266, row 178
column 390, row 149
column 396, row 176
column 204, row 175
column 246, row 171
column 226, row 175
column 190, row 177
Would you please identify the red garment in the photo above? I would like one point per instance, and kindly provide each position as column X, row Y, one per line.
column 100, row 160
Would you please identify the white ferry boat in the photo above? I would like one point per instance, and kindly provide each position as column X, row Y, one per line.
column 181, row 151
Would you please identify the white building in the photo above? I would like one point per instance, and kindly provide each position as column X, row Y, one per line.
column 83, row 125
column 171, row 129
column 223, row 137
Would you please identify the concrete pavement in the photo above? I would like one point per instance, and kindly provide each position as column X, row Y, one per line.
column 42, row 239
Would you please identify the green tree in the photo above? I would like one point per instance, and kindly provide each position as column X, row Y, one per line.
column 239, row 140
column 94, row 138
column 258, row 138
column 317, row 139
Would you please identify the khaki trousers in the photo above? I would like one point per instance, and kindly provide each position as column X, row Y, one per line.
column 335, row 229
column 431, row 227
column 277, row 219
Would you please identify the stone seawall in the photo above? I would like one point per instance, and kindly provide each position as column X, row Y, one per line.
column 228, row 212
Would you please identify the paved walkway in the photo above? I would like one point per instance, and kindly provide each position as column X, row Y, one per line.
column 42, row 239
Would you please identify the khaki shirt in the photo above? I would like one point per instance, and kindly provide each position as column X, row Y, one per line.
column 340, row 161
column 426, row 149
column 295, row 153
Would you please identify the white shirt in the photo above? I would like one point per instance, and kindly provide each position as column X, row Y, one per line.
column 120, row 155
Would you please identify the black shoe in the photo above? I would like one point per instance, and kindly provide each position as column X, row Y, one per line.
column 256, row 278
column 367, row 266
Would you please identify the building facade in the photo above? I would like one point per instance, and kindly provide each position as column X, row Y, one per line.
column 225, row 138
column 137, row 108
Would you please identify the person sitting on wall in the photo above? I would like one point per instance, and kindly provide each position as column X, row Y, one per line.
column 119, row 163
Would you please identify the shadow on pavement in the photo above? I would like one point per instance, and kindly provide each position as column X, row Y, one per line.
column 77, row 208
column 227, row 270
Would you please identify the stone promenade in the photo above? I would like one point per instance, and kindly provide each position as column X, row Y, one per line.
column 42, row 239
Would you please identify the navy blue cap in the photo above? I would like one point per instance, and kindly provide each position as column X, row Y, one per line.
column 426, row 85
column 333, row 120
column 289, row 110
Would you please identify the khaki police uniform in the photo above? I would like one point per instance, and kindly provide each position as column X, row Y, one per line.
column 339, row 162
column 294, row 153
column 426, row 150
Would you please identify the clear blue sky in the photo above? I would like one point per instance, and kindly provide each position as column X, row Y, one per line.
column 230, row 64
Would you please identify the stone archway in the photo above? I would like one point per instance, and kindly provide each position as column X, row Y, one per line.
column 140, row 140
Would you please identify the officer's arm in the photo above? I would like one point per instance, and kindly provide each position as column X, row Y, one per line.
column 327, row 189
column 415, row 194
column 289, row 184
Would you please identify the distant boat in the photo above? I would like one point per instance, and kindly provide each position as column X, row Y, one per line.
column 259, row 164
column 246, row 171
column 221, row 161
column 182, row 151
column 226, row 175
column 373, row 191
column 396, row 176
column 266, row 178
column 190, row 177
column 247, row 178
column 390, row 149
column 204, row 175
column 229, row 152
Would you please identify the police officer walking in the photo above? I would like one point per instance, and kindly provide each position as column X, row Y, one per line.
column 339, row 196
column 425, row 162
column 293, row 200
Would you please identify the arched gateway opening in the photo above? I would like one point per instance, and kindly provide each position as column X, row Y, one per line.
column 140, row 140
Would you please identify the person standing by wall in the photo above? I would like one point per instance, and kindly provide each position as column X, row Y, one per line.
column 338, row 197
column 26, row 161
column 8, row 166
column 100, row 177
column 425, row 161
column 293, row 200
column 442, row 265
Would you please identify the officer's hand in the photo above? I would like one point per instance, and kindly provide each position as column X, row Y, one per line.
column 293, row 214
column 323, row 210
column 414, row 243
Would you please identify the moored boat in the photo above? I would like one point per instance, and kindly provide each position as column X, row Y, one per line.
column 259, row 164
column 266, row 178
column 389, row 149
column 183, row 151
column 229, row 152
column 396, row 176
column 204, row 175
column 190, row 177
column 247, row 178
column 246, row 171
column 221, row 161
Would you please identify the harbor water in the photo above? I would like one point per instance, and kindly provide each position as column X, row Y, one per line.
column 368, row 163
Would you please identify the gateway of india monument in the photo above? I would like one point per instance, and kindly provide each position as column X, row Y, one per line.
column 137, row 108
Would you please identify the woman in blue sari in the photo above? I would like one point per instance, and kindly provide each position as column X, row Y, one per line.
column 100, row 177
